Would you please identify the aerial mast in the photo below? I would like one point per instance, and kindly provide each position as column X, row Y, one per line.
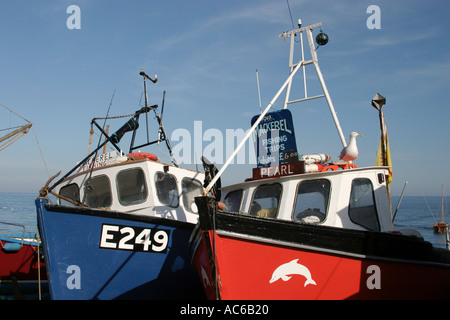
column 321, row 40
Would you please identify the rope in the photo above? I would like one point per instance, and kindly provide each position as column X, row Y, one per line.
column 39, row 264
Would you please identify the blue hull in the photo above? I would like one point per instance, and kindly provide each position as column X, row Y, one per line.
column 99, row 254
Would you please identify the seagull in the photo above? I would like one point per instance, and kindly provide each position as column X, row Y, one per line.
column 350, row 152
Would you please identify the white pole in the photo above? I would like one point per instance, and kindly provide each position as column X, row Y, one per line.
column 249, row 132
column 324, row 88
column 304, row 71
column 291, row 65
column 259, row 92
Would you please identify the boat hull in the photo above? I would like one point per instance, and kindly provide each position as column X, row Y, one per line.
column 22, row 274
column 440, row 227
column 245, row 257
column 98, row 254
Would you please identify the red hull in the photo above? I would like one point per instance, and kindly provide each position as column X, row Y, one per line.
column 22, row 265
column 257, row 270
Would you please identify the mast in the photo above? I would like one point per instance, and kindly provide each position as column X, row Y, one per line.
column 162, row 136
column 315, row 62
column 383, row 158
column 287, row 84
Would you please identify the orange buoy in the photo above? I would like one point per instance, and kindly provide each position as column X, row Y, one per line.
column 143, row 156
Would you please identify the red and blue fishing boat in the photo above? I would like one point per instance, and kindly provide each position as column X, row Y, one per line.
column 121, row 223
column 307, row 227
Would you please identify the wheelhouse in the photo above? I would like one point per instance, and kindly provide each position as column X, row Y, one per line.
column 141, row 187
column 353, row 199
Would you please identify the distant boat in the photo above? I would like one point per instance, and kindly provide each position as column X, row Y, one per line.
column 441, row 227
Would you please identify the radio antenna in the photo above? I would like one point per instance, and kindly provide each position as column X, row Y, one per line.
column 259, row 93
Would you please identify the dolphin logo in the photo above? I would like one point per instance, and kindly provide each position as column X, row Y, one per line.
column 285, row 271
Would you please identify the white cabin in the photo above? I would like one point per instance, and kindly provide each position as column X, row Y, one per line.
column 353, row 198
column 140, row 187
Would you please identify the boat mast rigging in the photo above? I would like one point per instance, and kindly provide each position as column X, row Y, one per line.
column 15, row 135
column 162, row 136
column 321, row 39
column 287, row 84
column 131, row 125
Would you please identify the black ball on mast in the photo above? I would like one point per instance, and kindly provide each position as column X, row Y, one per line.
column 322, row 38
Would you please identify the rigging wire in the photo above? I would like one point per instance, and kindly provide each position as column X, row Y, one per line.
column 107, row 115
column 428, row 206
column 6, row 129
column 292, row 20
column 14, row 113
column 99, row 142
column 40, row 150
column 290, row 13
column 23, row 133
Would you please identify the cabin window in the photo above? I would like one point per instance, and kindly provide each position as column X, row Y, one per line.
column 72, row 192
column 166, row 189
column 97, row 192
column 191, row 188
column 361, row 209
column 266, row 201
column 233, row 200
column 311, row 204
column 131, row 187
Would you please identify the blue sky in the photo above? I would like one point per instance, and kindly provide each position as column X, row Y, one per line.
column 205, row 54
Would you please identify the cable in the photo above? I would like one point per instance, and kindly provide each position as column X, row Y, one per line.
column 40, row 150
column 290, row 14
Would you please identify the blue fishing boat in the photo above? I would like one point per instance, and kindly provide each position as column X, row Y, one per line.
column 121, row 223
